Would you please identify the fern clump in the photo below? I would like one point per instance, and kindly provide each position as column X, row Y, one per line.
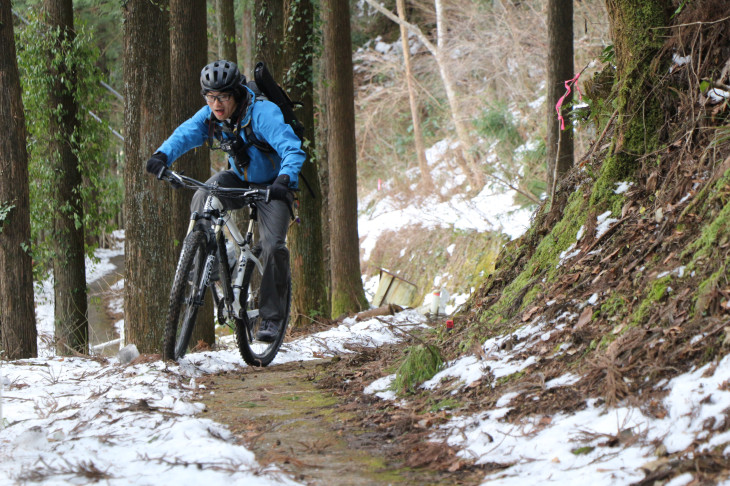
column 421, row 363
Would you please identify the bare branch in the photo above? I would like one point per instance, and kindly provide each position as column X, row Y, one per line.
column 413, row 28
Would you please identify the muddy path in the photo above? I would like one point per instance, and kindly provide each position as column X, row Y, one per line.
column 290, row 415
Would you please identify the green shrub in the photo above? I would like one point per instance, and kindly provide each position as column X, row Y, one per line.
column 421, row 363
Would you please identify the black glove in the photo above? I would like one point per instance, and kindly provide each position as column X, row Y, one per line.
column 157, row 164
column 280, row 188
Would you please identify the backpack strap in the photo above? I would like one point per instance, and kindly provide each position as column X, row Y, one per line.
column 252, row 139
column 237, row 149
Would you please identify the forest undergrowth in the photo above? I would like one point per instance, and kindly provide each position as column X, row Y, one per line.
column 634, row 286
column 496, row 56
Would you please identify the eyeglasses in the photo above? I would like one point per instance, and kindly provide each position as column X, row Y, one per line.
column 210, row 99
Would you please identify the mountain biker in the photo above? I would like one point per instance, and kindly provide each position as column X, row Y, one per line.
column 230, row 105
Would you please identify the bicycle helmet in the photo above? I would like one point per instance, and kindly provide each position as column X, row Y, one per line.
column 220, row 75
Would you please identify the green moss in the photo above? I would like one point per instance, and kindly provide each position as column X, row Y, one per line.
column 714, row 234
column 615, row 169
column 614, row 306
column 546, row 257
column 606, row 340
column 709, row 194
column 656, row 293
column 706, row 291
column 343, row 303
column 639, row 112
column 582, row 450
column 514, row 376
column 447, row 404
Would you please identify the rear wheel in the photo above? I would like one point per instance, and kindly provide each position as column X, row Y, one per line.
column 187, row 295
column 253, row 351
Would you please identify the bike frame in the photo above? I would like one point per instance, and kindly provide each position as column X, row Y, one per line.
column 219, row 217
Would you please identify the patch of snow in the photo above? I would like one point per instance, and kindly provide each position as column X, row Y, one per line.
column 622, row 187
column 505, row 399
column 603, row 223
column 499, row 362
column 679, row 271
column 381, row 388
column 569, row 253
column 717, row 94
column 564, row 380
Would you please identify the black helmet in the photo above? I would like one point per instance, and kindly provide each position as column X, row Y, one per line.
column 220, row 76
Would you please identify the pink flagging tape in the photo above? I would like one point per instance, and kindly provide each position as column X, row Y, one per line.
column 574, row 82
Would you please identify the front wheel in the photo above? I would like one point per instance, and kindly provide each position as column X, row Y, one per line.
column 187, row 295
column 253, row 351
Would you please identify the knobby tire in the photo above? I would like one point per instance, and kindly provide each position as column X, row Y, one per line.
column 186, row 296
column 254, row 352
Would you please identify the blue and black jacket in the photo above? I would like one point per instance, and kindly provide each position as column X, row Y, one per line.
column 268, row 125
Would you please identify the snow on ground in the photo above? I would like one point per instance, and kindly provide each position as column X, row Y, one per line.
column 66, row 420
column 74, row 420
column 96, row 269
column 571, row 448
column 492, row 209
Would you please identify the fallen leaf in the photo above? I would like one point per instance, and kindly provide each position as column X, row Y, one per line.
column 585, row 317
column 527, row 315
column 652, row 466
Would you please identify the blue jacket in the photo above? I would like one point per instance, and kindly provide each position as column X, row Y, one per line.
column 268, row 125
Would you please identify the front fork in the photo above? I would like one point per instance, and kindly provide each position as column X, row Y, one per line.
column 233, row 305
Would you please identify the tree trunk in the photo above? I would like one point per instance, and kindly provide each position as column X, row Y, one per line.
column 149, row 255
column 227, row 31
column 247, row 39
column 426, row 180
column 269, row 34
column 559, row 69
column 309, row 291
column 323, row 174
column 188, row 55
column 18, row 337
column 462, row 133
column 69, row 268
column 347, row 291
column 637, row 35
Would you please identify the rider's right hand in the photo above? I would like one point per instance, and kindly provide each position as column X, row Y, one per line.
column 157, row 164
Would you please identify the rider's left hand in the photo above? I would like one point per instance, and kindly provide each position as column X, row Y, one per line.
column 280, row 188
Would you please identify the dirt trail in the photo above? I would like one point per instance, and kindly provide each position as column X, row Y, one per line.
column 281, row 415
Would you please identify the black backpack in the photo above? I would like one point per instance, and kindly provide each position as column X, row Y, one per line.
column 264, row 87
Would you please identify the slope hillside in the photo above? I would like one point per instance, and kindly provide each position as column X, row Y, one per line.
column 643, row 269
column 615, row 302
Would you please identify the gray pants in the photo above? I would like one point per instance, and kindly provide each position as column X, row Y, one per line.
column 273, row 218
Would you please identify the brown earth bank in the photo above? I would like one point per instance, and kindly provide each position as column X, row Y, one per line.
column 311, row 420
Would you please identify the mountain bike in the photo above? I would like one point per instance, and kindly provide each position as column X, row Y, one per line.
column 236, row 292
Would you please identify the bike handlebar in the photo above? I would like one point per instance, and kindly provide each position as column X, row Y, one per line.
column 252, row 194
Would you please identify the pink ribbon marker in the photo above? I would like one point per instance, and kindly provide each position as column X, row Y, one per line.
column 573, row 81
